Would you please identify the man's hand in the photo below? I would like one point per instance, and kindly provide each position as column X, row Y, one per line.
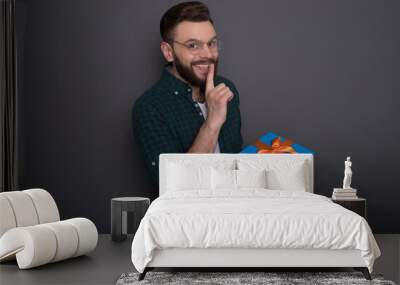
column 217, row 100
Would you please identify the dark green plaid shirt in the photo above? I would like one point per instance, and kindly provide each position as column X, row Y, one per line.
column 167, row 120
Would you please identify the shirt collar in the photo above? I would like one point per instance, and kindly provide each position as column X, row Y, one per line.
column 174, row 84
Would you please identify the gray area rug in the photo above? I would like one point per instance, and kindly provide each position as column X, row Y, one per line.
column 275, row 278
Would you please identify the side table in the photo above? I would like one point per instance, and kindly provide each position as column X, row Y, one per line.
column 358, row 205
column 126, row 214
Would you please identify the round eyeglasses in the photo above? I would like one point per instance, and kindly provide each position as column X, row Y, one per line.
column 196, row 47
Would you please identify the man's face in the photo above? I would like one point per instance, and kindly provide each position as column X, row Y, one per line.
column 193, row 67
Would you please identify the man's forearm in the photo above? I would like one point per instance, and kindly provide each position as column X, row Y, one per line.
column 206, row 139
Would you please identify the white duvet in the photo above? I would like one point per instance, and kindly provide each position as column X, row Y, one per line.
column 251, row 218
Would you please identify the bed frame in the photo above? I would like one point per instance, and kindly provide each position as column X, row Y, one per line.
column 241, row 258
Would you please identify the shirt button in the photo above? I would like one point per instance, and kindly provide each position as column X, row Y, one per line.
column 176, row 92
column 201, row 114
column 153, row 163
column 189, row 89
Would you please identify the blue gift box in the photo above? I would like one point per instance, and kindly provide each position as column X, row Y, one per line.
column 273, row 143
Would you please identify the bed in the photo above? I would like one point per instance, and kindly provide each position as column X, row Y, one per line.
column 247, row 210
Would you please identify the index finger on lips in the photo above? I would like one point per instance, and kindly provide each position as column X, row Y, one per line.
column 210, row 78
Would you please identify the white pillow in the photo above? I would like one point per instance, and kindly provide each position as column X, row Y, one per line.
column 282, row 174
column 292, row 179
column 237, row 179
column 251, row 178
column 183, row 178
column 186, row 174
column 223, row 179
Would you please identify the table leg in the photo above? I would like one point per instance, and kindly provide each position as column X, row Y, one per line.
column 116, row 222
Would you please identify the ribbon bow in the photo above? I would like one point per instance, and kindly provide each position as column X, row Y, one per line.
column 277, row 146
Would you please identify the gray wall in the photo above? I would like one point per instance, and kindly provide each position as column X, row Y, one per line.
column 324, row 73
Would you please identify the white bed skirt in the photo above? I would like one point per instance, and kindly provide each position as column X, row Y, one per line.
column 236, row 257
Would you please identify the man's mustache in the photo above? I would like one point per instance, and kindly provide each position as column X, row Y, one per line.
column 204, row 62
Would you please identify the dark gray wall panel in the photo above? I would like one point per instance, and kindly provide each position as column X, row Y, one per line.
column 324, row 73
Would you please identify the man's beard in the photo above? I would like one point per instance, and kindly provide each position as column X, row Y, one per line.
column 188, row 74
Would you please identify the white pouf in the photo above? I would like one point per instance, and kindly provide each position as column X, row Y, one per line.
column 31, row 232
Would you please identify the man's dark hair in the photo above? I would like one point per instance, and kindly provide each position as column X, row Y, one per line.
column 193, row 11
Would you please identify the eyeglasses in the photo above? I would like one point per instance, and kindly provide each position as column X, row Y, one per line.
column 195, row 47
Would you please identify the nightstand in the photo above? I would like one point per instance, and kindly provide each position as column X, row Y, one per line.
column 358, row 205
column 126, row 214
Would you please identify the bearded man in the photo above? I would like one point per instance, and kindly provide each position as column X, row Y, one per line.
column 190, row 109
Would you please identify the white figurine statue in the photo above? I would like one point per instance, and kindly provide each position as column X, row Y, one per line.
column 347, row 174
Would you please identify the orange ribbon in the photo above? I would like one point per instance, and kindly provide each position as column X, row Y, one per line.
column 277, row 146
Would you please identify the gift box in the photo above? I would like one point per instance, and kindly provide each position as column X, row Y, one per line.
column 272, row 143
